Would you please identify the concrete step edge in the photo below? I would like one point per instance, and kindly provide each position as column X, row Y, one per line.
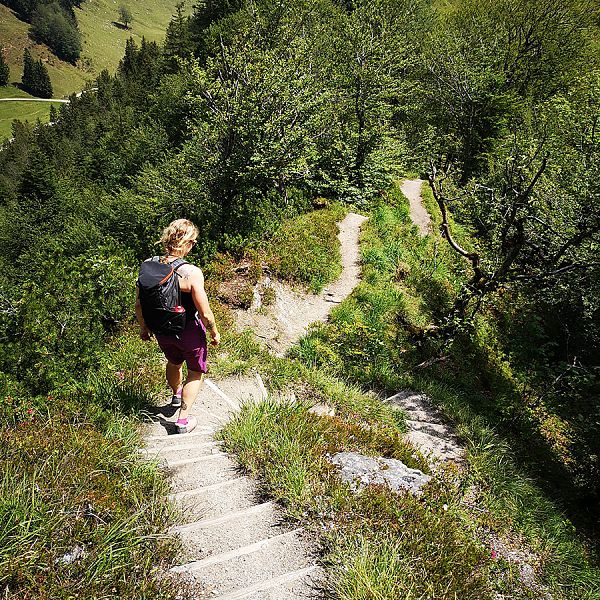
column 217, row 390
column 232, row 554
column 269, row 584
column 205, row 488
column 211, row 521
column 191, row 461
column 198, row 432
column 179, row 447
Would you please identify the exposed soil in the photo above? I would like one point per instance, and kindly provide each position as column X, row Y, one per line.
column 291, row 312
column 411, row 188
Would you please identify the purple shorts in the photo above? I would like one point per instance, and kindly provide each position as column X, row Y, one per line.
column 190, row 346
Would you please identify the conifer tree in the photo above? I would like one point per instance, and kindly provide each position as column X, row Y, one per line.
column 128, row 64
column 4, row 69
column 35, row 77
column 178, row 40
column 28, row 67
column 44, row 85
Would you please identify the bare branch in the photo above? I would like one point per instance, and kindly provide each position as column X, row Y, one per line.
column 472, row 257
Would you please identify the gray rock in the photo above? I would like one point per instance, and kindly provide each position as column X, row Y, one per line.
column 322, row 409
column 362, row 470
column 77, row 553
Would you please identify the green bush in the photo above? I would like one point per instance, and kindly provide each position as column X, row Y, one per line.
column 63, row 331
column 306, row 249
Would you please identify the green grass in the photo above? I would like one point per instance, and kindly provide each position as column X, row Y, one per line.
column 370, row 341
column 104, row 43
column 23, row 111
column 71, row 477
column 11, row 91
column 306, row 249
column 377, row 544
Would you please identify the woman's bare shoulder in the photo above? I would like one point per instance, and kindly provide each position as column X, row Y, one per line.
column 190, row 270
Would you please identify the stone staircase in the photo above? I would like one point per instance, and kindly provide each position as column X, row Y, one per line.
column 235, row 545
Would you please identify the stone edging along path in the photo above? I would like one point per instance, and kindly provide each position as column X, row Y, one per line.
column 236, row 545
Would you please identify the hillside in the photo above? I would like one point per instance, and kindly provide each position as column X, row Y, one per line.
column 467, row 356
column 103, row 46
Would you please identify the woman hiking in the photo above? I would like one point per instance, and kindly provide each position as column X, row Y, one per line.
column 188, row 344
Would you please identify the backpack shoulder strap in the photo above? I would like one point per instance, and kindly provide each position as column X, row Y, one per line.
column 179, row 262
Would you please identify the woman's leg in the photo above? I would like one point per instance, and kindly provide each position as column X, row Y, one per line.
column 174, row 376
column 191, row 387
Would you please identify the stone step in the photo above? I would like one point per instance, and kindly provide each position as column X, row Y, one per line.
column 434, row 429
column 157, row 435
column 293, row 585
column 217, row 499
column 212, row 400
column 228, row 571
column 174, row 454
column 243, row 388
column 423, row 416
column 435, row 446
column 200, row 472
column 229, row 531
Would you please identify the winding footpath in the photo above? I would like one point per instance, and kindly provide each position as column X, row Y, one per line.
column 236, row 545
column 428, row 430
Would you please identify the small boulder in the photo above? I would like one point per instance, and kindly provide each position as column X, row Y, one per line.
column 361, row 470
column 322, row 410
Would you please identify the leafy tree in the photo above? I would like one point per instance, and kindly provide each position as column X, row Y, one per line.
column 536, row 211
column 125, row 15
column 52, row 25
column 4, row 69
column 485, row 61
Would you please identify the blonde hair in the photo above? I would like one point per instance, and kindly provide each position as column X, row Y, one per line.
column 177, row 234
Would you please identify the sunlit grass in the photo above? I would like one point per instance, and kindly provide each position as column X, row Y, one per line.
column 79, row 511
column 23, row 111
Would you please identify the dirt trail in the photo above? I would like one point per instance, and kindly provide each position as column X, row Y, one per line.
column 287, row 320
column 411, row 188
column 235, row 544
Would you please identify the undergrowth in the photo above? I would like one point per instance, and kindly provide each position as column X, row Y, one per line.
column 82, row 515
column 306, row 250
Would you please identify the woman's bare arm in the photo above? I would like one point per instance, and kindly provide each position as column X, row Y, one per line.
column 144, row 331
column 196, row 280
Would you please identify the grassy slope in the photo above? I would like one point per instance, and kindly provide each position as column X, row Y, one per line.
column 104, row 42
column 65, row 77
column 71, row 477
column 23, row 111
column 103, row 47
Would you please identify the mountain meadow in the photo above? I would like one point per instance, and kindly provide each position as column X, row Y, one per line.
column 265, row 122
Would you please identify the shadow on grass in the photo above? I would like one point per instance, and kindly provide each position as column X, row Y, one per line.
column 493, row 396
